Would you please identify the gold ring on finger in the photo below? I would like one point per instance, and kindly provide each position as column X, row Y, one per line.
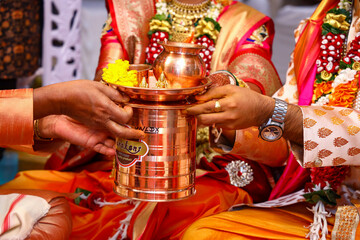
column 217, row 107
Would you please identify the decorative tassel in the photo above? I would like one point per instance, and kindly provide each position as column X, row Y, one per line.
column 105, row 203
column 124, row 224
column 320, row 222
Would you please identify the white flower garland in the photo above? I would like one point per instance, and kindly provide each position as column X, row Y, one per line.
column 161, row 8
column 345, row 76
column 214, row 10
column 345, row 4
column 320, row 215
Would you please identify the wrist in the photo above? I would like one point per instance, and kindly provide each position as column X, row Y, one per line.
column 273, row 128
column 46, row 101
column 266, row 109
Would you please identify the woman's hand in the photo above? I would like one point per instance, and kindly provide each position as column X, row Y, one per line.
column 239, row 108
column 89, row 102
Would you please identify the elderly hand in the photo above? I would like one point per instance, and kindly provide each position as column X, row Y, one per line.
column 91, row 103
column 238, row 108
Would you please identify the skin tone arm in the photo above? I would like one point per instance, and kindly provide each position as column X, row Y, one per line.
column 242, row 108
column 93, row 119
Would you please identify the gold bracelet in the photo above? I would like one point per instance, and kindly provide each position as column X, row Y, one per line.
column 37, row 133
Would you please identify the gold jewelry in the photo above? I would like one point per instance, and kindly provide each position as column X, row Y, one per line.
column 184, row 16
column 189, row 11
column 37, row 132
column 217, row 107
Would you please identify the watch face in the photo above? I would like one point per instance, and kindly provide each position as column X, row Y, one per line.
column 271, row 133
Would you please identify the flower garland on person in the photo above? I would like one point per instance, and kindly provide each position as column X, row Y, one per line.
column 336, row 84
column 197, row 25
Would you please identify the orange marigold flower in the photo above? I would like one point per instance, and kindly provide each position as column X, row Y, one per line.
column 344, row 94
column 322, row 89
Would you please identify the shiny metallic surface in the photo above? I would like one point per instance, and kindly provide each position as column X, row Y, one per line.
column 167, row 172
column 142, row 71
column 161, row 94
column 181, row 63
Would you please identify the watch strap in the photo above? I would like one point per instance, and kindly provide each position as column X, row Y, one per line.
column 280, row 110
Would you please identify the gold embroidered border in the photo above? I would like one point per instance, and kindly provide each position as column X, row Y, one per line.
column 251, row 65
column 346, row 222
column 132, row 18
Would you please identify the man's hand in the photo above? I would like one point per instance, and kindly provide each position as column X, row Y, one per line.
column 242, row 108
column 91, row 103
column 68, row 129
column 239, row 108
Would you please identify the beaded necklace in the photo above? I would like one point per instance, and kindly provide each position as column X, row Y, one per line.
column 180, row 22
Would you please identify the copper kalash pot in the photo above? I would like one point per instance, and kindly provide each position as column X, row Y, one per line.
column 181, row 64
column 161, row 167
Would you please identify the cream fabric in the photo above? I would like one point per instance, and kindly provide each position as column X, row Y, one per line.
column 19, row 213
column 331, row 136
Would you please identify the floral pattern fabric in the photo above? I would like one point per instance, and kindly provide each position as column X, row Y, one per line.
column 331, row 136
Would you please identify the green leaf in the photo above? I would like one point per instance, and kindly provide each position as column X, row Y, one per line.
column 328, row 28
column 83, row 191
column 332, row 196
column 318, row 81
column 315, row 198
column 216, row 24
column 343, row 65
column 160, row 17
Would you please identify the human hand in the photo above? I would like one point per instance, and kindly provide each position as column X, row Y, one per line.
column 240, row 108
column 89, row 102
column 68, row 129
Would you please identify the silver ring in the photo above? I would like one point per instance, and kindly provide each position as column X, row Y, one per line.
column 217, row 107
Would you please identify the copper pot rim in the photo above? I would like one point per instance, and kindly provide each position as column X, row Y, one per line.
column 180, row 106
column 140, row 67
column 162, row 95
column 181, row 44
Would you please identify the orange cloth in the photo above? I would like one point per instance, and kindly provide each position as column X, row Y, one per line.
column 254, row 223
column 166, row 221
column 258, row 224
column 16, row 117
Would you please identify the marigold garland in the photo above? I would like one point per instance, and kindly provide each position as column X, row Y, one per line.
column 336, row 82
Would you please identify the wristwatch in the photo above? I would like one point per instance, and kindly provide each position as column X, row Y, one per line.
column 273, row 129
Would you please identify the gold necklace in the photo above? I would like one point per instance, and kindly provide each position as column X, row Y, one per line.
column 184, row 16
